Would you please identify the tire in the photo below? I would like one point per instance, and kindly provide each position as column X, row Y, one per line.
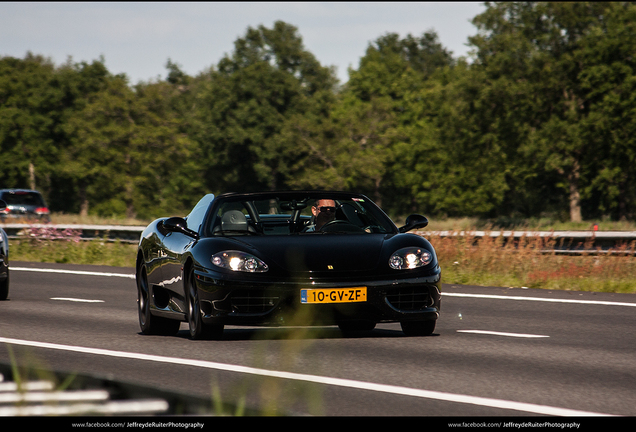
column 4, row 288
column 150, row 324
column 198, row 329
column 418, row 328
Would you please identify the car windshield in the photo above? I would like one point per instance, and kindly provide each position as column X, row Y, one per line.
column 23, row 198
column 302, row 214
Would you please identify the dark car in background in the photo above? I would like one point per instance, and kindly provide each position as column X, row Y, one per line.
column 23, row 205
column 286, row 258
column 4, row 260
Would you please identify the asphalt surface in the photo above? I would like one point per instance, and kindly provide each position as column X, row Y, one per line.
column 496, row 352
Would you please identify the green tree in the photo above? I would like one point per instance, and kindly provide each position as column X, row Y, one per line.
column 608, row 80
column 97, row 159
column 390, row 87
column 458, row 163
column 166, row 173
column 536, row 59
column 127, row 156
column 78, row 83
column 395, row 67
column 343, row 147
column 30, row 113
column 267, row 79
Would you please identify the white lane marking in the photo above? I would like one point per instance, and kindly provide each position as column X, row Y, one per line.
column 500, row 297
column 77, row 300
column 519, row 335
column 77, row 272
column 341, row 382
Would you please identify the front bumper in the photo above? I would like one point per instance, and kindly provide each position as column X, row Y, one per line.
column 248, row 303
column 25, row 217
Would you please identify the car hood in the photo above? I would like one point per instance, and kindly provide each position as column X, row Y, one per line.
column 318, row 253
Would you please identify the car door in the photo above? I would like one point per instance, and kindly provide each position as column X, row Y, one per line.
column 175, row 244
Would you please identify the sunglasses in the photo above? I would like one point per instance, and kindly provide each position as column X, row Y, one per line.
column 326, row 209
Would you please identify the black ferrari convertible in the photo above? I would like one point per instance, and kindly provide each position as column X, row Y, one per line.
column 286, row 258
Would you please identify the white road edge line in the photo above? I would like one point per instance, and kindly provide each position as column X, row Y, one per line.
column 77, row 272
column 500, row 297
column 519, row 335
column 361, row 385
column 77, row 300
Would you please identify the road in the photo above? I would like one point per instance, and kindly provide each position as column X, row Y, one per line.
column 495, row 352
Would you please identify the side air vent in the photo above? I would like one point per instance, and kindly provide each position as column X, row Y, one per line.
column 253, row 301
column 410, row 299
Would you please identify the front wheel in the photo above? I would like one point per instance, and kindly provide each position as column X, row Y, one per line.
column 418, row 328
column 149, row 324
column 198, row 329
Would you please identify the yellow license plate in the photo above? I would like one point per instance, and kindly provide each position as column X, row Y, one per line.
column 334, row 295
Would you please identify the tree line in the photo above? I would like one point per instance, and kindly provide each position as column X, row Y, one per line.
column 541, row 121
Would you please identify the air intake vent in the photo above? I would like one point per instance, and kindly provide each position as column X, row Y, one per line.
column 410, row 299
column 253, row 301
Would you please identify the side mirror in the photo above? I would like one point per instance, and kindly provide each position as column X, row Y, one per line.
column 413, row 222
column 178, row 224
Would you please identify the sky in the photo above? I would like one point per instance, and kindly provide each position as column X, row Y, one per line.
column 138, row 38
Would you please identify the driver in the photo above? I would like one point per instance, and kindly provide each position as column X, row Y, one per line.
column 324, row 210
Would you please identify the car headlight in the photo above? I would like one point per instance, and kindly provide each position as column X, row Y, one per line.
column 410, row 258
column 239, row 261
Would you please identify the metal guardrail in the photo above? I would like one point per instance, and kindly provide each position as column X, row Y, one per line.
column 563, row 242
column 123, row 233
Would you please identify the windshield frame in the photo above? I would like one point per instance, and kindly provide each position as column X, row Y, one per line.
column 297, row 207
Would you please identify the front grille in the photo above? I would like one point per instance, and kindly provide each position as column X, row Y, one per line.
column 410, row 298
column 253, row 301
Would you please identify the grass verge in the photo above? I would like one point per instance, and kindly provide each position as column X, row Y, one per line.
column 490, row 261
column 97, row 252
